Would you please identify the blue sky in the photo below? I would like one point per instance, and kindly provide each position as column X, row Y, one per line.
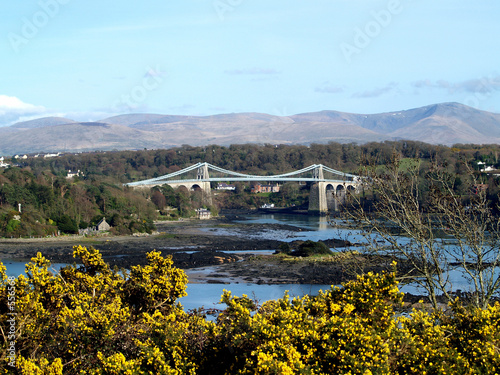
column 88, row 60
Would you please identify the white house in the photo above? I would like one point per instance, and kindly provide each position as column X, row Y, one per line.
column 2, row 164
column 73, row 174
column 267, row 205
column 203, row 214
column 223, row 186
column 488, row 169
column 52, row 155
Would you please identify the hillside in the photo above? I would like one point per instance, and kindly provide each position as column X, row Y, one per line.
column 446, row 123
column 76, row 137
column 42, row 122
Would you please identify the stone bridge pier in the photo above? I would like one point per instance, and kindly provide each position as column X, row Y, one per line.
column 317, row 199
column 327, row 196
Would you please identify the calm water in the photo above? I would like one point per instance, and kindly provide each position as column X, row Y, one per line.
column 208, row 295
column 318, row 228
column 314, row 228
column 15, row 268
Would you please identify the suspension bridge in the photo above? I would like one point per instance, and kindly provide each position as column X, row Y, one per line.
column 327, row 184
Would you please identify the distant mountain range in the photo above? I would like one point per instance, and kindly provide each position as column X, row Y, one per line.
column 446, row 123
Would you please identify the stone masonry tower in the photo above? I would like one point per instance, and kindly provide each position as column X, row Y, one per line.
column 317, row 196
column 202, row 174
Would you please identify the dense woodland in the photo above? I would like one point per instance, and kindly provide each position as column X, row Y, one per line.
column 51, row 203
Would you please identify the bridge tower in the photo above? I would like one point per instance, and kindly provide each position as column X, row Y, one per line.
column 202, row 181
column 317, row 196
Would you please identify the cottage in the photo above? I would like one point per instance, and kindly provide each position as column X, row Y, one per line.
column 203, row 214
column 102, row 226
column 258, row 188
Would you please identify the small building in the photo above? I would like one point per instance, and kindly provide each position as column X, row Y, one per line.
column 488, row 169
column 2, row 163
column 258, row 188
column 203, row 214
column 267, row 205
column 478, row 188
column 102, row 226
column 223, row 186
column 73, row 174
column 52, row 155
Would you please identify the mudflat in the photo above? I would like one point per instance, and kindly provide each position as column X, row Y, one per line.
column 212, row 251
column 191, row 244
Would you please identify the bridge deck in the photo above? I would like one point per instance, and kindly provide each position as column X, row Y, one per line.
column 235, row 179
column 202, row 168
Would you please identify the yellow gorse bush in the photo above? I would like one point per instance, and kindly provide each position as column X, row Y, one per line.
column 94, row 320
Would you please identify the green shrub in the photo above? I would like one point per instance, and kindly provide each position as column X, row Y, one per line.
column 309, row 248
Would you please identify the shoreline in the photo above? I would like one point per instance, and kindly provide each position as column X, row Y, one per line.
column 206, row 255
column 191, row 243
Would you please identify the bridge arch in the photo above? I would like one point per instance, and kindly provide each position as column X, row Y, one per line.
column 196, row 187
column 330, row 192
column 202, row 186
column 327, row 196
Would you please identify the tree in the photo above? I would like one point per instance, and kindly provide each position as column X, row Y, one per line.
column 183, row 204
column 66, row 224
column 159, row 200
column 443, row 233
column 169, row 194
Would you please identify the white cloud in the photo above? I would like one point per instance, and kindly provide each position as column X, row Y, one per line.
column 328, row 88
column 484, row 85
column 13, row 109
column 11, row 103
column 376, row 92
